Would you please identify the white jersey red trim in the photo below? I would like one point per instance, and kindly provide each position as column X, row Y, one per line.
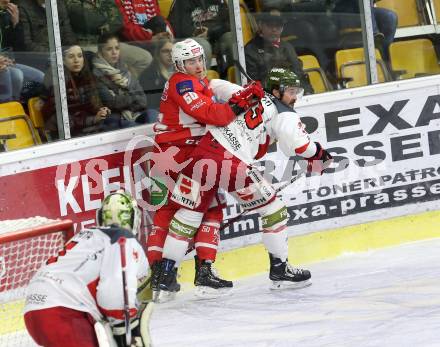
column 87, row 275
column 250, row 134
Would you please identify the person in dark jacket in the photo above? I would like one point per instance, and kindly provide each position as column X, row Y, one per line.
column 155, row 76
column 204, row 20
column 118, row 88
column 86, row 113
column 266, row 49
column 13, row 77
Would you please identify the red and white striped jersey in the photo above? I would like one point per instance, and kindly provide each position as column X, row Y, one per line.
column 87, row 275
column 251, row 133
column 187, row 105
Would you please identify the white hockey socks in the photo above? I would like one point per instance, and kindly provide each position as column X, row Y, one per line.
column 182, row 228
column 274, row 219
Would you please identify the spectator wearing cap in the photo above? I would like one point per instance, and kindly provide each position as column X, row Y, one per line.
column 266, row 50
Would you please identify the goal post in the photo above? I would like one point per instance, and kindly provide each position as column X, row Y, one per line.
column 25, row 245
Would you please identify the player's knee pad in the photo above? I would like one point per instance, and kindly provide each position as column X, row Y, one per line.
column 207, row 239
column 185, row 223
column 274, row 216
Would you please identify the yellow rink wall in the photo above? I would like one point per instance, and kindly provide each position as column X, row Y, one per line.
column 324, row 245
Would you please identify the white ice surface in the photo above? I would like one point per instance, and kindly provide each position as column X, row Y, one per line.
column 388, row 297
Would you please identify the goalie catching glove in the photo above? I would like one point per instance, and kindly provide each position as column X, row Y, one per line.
column 140, row 333
column 244, row 99
column 320, row 161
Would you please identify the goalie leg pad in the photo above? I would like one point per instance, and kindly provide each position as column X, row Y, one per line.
column 274, row 218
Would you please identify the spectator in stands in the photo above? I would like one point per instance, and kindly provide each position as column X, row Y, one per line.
column 86, row 112
column 117, row 86
column 384, row 22
column 33, row 24
column 12, row 76
column 267, row 49
column 154, row 77
column 91, row 18
column 143, row 21
column 207, row 21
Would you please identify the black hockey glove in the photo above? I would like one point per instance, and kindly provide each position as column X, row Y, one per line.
column 320, row 161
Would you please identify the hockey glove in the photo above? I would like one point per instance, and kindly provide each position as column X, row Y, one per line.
column 247, row 97
column 320, row 161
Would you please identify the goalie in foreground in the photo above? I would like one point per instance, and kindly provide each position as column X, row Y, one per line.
column 78, row 297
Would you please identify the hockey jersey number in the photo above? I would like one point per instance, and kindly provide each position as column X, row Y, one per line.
column 254, row 116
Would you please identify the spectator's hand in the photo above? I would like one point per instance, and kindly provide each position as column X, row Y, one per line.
column 102, row 114
column 3, row 63
column 201, row 32
column 13, row 11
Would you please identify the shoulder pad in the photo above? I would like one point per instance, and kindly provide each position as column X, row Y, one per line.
column 115, row 233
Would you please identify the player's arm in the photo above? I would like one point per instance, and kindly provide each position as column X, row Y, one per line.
column 207, row 111
column 293, row 139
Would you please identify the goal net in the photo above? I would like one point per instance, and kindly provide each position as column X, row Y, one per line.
column 25, row 244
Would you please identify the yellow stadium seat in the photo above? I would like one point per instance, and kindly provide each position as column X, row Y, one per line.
column 351, row 67
column 414, row 58
column 16, row 130
column 212, row 74
column 407, row 11
column 231, row 74
column 165, row 7
column 316, row 74
column 37, row 118
column 246, row 23
column 437, row 10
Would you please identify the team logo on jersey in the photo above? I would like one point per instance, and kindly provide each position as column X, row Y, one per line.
column 184, row 87
column 186, row 192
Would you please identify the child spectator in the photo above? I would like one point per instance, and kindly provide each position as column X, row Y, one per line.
column 86, row 112
column 117, row 86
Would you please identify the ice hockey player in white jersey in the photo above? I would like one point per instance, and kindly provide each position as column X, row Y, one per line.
column 223, row 159
column 77, row 298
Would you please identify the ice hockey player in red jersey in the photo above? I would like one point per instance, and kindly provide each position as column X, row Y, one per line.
column 79, row 294
column 233, row 148
column 187, row 106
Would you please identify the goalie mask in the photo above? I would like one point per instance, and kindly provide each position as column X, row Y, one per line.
column 184, row 50
column 119, row 209
column 280, row 79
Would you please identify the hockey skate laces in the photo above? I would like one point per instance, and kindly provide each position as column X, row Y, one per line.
column 294, row 270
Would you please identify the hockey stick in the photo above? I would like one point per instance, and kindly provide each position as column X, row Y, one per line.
column 278, row 190
column 122, row 242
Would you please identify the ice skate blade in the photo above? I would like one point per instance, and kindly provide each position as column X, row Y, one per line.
column 161, row 296
column 278, row 285
column 206, row 293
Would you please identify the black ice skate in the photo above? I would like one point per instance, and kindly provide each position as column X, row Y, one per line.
column 208, row 284
column 283, row 275
column 155, row 275
column 167, row 284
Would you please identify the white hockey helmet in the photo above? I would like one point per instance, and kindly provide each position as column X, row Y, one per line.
column 185, row 50
column 120, row 209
